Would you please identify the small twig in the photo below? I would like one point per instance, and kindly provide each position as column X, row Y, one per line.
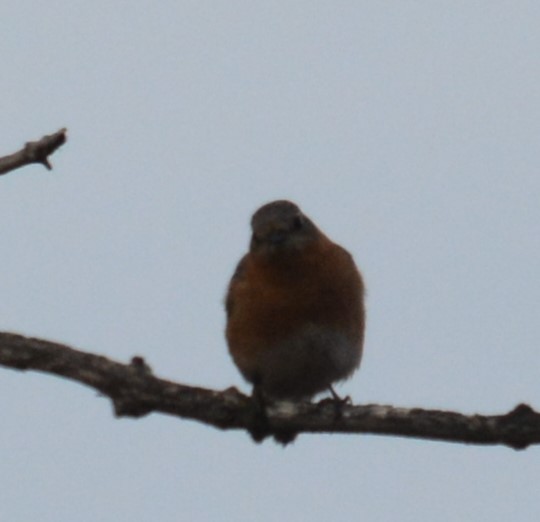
column 135, row 392
column 34, row 152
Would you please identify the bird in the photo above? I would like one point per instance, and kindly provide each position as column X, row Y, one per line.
column 295, row 307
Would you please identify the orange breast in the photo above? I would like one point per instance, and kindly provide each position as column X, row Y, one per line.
column 272, row 300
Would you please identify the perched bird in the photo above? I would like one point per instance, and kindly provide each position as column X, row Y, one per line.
column 295, row 307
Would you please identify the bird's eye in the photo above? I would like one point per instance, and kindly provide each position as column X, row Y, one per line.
column 298, row 222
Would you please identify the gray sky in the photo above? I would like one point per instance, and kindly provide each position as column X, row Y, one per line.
column 409, row 131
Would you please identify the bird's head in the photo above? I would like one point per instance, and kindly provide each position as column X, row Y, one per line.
column 279, row 227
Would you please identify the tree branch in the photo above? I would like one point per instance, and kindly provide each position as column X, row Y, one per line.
column 34, row 152
column 135, row 392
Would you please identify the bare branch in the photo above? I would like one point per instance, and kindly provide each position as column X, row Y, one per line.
column 135, row 392
column 34, row 152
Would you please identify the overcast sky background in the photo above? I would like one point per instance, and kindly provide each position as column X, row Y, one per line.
column 409, row 131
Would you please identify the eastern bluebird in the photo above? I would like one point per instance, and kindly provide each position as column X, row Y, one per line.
column 295, row 307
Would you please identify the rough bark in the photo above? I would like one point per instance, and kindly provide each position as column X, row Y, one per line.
column 34, row 152
column 135, row 392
